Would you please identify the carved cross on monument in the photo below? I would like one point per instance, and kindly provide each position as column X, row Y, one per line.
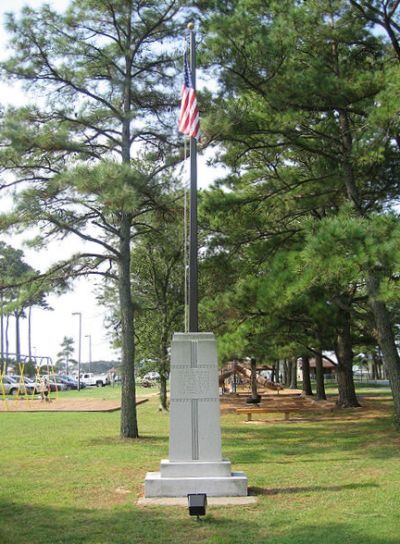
column 195, row 428
column 195, row 464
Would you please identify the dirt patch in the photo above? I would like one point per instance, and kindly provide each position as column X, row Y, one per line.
column 64, row 405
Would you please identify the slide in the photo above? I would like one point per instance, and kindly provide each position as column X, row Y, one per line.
column 246, row 373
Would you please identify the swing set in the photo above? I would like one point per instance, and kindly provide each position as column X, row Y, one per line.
column 45, row 379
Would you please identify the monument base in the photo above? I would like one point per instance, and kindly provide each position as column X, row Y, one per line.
column 158, row 485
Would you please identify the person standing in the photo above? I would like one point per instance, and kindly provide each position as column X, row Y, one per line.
column 45, row 389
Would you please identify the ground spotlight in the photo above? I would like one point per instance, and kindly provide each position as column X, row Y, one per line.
column 197, row 503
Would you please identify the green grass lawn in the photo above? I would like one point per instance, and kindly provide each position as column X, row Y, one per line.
column 68, row 478
column 106, row 393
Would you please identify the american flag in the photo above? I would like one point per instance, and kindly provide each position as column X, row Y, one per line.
column 189, row 120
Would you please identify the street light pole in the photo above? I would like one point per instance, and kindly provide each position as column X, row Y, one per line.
column 79, row 347
column 90, row 348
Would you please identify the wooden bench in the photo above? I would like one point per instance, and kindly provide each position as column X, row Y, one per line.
column 269, row 395
column 286, row 410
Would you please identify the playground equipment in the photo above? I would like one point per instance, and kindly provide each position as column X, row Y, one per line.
column 245, row 372
column 25, row 389
column 12, row 385
column 21, row 384
column 45, row 379
column 2, row 388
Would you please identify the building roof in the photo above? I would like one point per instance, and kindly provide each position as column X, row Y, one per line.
column 325, row 363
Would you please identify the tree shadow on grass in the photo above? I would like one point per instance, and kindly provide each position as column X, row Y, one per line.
column 118, row 441
column 331, row 533
column 307, row 489
column 285, row 442
column 127, row 525
column 313, row 461
column 25, row 524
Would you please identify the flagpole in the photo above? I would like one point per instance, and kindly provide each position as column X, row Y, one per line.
column 193, row 243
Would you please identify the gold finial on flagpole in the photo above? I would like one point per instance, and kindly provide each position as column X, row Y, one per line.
column 190, row 26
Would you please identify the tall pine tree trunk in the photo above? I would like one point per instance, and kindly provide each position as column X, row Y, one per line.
column 374, row 371
column 307, row 389
column 129, row 427
column 319, row 376
column 293, row 373
column 377, row 365
column 286, row 375
column 386, row 340
column 344, row 352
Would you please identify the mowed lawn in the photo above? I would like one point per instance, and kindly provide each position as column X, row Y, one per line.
column 106, row 393
column 69, row 478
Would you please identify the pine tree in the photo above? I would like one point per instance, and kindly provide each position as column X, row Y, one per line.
column 107, row 71
column 301, row 83
column 64, row 355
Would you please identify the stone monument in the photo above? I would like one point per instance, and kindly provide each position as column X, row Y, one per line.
column 195, row 463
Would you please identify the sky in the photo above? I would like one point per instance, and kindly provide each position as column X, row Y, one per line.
column 50, row 327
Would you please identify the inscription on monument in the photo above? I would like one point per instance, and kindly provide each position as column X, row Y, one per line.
column 195, row 383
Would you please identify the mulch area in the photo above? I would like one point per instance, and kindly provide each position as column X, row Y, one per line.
column 63, row 405
column 229, row 402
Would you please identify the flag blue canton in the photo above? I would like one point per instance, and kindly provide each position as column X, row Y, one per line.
column 187, row 74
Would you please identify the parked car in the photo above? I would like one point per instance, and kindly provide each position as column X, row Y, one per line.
column 56, row 385
column 53, row 385
column 30, row 385
column 153, row 375
column 11, row 386
column 69, row 382
column 99, row 380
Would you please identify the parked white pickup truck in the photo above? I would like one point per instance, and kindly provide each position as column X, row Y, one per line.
column 100, row 380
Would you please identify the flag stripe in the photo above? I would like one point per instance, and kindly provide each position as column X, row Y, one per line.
column 189, row 118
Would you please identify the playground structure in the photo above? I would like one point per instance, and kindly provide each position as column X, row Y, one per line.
column 235, row 368
column 40, row 384
column 290, row 403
